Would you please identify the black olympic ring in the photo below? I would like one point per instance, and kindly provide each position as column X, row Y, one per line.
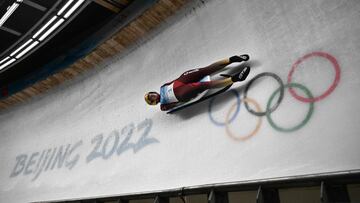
column 273, row 108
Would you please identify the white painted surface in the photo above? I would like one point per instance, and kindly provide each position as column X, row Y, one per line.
column 187, row 149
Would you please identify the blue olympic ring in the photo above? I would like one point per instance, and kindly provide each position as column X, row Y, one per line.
column 235, row 114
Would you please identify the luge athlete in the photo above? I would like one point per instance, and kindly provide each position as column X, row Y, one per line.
column 189, row 84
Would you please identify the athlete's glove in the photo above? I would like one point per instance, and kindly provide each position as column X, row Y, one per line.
column 241, row 76
column 240, row 58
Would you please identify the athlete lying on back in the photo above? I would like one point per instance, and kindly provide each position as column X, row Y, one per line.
column 189, row 84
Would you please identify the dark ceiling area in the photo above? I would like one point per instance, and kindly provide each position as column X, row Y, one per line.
column 73, row 37
column 21, row 21
column 86, row 22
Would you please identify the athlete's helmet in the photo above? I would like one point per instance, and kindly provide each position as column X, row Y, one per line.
column 149, row 100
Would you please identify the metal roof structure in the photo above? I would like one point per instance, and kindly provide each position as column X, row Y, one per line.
column 94, row 31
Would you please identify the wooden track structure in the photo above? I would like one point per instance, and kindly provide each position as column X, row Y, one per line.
column 118, row 43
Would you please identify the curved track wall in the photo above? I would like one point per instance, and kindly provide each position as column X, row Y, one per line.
column 95, row 136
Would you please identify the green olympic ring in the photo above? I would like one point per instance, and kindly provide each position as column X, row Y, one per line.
column 303, row 122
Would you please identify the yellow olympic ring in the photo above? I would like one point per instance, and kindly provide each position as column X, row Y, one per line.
column 242, row 137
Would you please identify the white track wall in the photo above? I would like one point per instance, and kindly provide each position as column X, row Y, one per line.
column 95, row 136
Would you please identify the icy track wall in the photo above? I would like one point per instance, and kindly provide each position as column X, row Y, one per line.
column 96, row 137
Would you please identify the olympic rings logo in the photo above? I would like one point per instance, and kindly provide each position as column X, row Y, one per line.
column 272, row 105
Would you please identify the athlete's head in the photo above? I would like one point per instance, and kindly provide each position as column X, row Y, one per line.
column 152, row 98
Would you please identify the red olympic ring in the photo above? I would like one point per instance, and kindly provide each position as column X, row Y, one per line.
column 329, row 90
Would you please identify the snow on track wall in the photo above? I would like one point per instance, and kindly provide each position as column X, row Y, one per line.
column 95, row 136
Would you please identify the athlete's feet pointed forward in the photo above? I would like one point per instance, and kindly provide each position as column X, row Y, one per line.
column 240, row 58
column 242, row 75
